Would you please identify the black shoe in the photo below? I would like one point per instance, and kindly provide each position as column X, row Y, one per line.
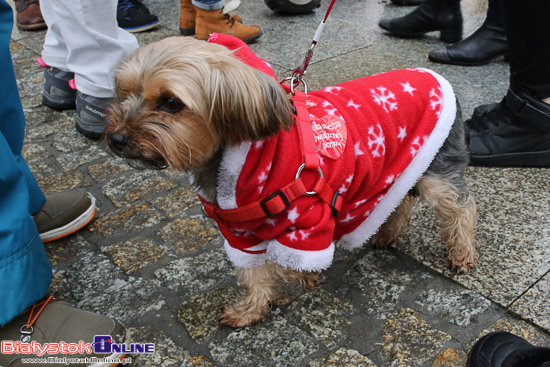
column 513, row 133
column 133, row 16
column 407, row 2
column 59, row 88
column 502, row 349
column 432, row 15
column 484, row 45
column 91, row 113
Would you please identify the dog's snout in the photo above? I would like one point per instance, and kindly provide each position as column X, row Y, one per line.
column 118, row 141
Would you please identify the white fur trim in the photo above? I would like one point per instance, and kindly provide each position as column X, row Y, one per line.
column 298, row 259
column 245, row 260
column 412, row 173
column 232, row 163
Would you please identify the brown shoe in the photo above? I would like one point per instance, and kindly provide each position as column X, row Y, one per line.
column 188, row 16
column 28, row 15
column 216, row 21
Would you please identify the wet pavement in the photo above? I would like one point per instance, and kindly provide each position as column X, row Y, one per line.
column 151, row 259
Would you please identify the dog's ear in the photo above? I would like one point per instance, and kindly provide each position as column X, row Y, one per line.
column 248, row 105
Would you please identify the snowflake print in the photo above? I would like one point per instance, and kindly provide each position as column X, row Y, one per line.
column 332, row 90
column 377, row 142
column 292, row 236
column 358, row 151
column 345, row 186
column 348, row 218
column 436, row 100
column 360, row 202
column 390, row 179
column 416, row 144
column 402, row 133
column 407, row 88
column 384, row 98
column 353, row 104
column 331, row 110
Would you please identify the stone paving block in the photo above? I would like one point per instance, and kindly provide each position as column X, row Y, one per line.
column 176, row 201
column 167, row 353
column 273, row 342
column 61, row 182
column 74, row 159
column 127, row 301
column 451, row 357
column 535, row 304
column 135, row 254
column 44, row 122
column 127, row 189
column 93, row 274
column 458, row 307
column 381, row 283
column 511, row 256
column 105, row 170
column 201, row 313
column 322, row 315
column 191, row 275
column 70, row 141
column 127, row 220
column 187, row 235
column 342, row 358
column 34, row 152
column 409, row 340
column 517, row 327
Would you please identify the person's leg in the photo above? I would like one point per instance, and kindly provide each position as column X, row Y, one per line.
column 432, row 15
column 25, row 271
column 516, row 132
column 95, row 45
column 485, row 44
column 528, row 32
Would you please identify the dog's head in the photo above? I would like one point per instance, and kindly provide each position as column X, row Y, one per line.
column 180, row 100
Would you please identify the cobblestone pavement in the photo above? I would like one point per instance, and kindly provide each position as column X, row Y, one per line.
column 151, row 259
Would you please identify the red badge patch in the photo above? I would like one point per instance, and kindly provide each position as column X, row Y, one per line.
column 330, row 135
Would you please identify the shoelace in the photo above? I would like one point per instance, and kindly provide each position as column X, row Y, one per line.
column 27, row 329
column 228, row 17
column 126, row 5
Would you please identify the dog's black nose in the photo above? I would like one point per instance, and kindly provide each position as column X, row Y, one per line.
column 118, row 141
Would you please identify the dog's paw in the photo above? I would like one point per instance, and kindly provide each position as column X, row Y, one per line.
column 381, row 240
column 462, row 267
column 233, row 317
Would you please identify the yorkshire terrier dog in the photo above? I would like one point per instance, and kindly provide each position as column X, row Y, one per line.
column 285, row 173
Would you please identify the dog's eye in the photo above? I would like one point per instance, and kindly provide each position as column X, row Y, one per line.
column 170, row 104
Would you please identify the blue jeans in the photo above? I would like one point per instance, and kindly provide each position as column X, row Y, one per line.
column 25, row 271
column 208, row 4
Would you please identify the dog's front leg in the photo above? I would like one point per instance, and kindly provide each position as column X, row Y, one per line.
column 259, row 284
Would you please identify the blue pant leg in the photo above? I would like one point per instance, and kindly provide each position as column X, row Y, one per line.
column 25, row 271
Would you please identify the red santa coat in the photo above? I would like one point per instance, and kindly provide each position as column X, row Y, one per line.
column 375, row 136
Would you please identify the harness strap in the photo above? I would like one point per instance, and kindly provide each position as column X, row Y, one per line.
column 279, row 201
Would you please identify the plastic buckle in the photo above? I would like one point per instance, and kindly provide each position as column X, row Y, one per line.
column 264, row 206
column 334, row 203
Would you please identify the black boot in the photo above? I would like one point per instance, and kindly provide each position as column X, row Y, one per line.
column 513, row 133
column 484, row 45
column 503, row 349
column 432, row 15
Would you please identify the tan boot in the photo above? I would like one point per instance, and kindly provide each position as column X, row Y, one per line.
column 188, row 15
column 210, row 21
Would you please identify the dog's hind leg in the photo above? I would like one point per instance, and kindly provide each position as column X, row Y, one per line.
column 455, row 209
column 395, row 224
column 259, row 284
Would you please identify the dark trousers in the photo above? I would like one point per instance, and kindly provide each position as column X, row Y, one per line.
column 527, row 24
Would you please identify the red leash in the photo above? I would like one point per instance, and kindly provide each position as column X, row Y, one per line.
column 279, row 201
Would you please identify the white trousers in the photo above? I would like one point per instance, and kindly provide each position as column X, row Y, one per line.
column 83, row 37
